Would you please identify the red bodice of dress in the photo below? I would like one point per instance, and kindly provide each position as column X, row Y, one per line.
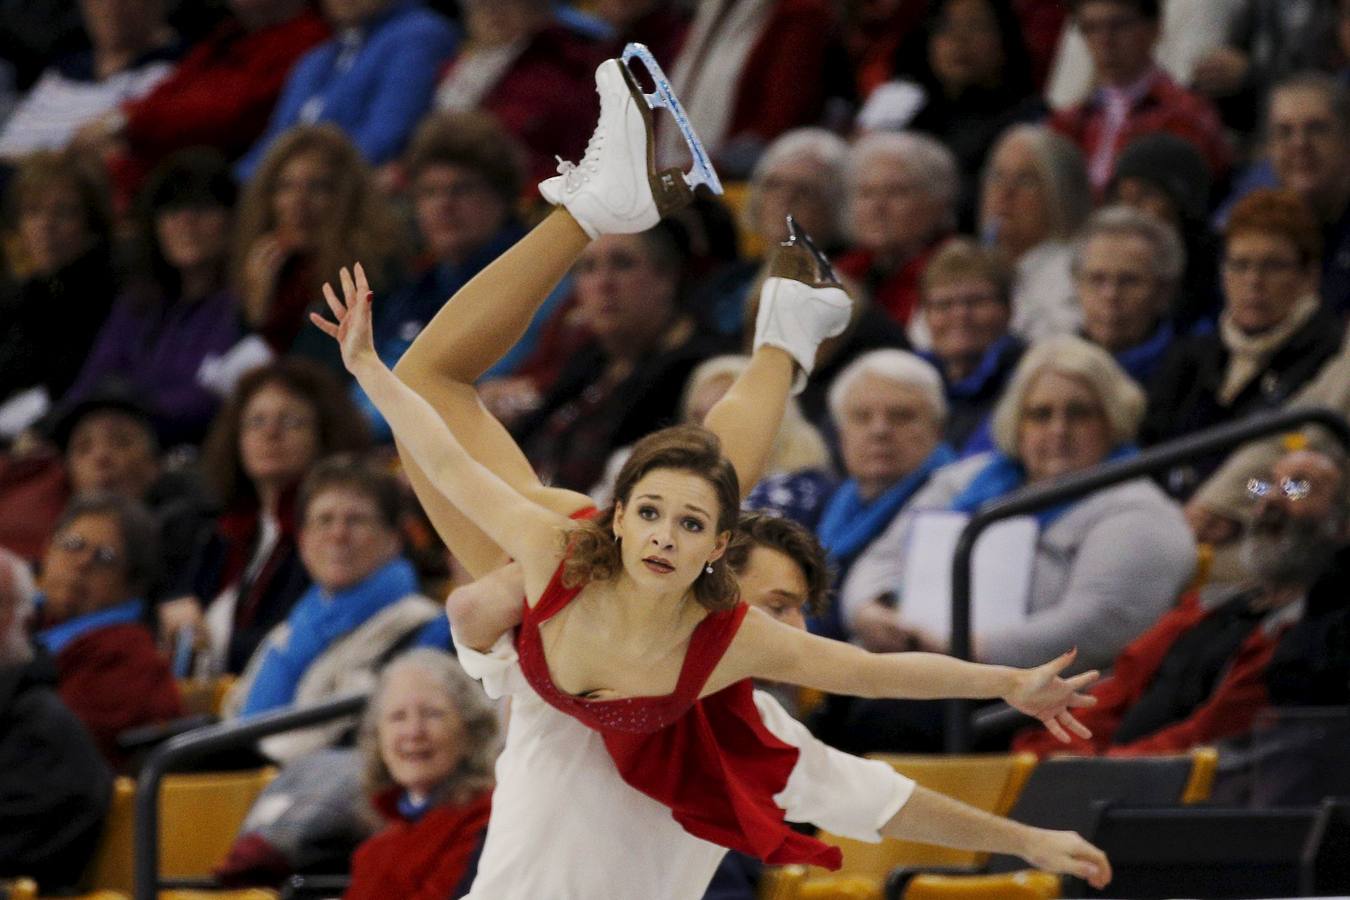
column 711, row 760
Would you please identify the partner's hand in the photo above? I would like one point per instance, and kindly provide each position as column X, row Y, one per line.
column 1066, row 853
column 353, row 330
column 1041, row 693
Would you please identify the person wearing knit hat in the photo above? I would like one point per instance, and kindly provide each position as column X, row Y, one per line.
column 1165, row 175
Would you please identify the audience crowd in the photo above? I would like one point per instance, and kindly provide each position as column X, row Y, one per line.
column 1071, row 230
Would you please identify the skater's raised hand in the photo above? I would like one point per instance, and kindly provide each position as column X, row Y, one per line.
column 1066, row 853
column 1040, row 692
column 353, row 330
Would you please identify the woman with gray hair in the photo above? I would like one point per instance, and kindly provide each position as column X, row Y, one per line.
column 1035, row 193
column 1105, row 566
column 429, row 741
column 902, row 193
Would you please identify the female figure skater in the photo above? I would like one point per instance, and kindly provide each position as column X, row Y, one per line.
column 655, row 624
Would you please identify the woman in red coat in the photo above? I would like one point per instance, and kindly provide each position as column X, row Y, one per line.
column 429, row 740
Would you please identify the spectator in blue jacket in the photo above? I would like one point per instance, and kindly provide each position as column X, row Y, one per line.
column 374, row 78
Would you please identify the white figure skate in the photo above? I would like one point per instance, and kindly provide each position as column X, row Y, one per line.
column 616, row 188
column 801, row 303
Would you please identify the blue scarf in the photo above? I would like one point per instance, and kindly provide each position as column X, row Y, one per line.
column 990, row 366
column 58, row 637
column 1003, row 475
column 850, row 523
column 319, row 620
column 1142, row 360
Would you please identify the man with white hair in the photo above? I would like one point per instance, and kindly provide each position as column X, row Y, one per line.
column 54, row 785
column 902, row 191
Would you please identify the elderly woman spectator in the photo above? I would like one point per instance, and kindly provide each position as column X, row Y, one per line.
column 1165, row 176
column 362, row 605
column 1104, row 567
column 430, row 742
column 1127, row 266
column 246, row 575
column 132, row 48
column 94, row 576
column 62, row 282
column 902, row 192
column 1274, row 333
column 178, row 313
column 373, row 79
column 964, row 78
column 52, row 778
column 888, row 408
column 967, row 309
column 1034, row 195
column 464, row 174
column 310, row 208
column 534, row 76
column 802, row 173
column 625, row 380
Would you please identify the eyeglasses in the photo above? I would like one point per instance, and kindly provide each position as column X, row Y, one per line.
column 1126, row 282
column 973, row 301
column 1294, row 489
column 285, row 421
column 104, row 556
column 355, row 522
column 1074, row 413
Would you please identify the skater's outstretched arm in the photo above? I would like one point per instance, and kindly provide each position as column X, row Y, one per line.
column 765, row 648
column 936, row 819
column 513, row 521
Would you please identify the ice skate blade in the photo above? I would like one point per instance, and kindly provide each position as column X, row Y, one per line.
column 664, row 97
column 799, row 259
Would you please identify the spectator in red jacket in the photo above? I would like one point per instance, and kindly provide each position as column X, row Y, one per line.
column 1134, row 97
column 95, row 573
column 1198, row 675
column 429, row 741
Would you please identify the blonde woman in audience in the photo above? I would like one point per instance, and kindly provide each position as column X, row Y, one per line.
column 311, row 204
column 1033, row 196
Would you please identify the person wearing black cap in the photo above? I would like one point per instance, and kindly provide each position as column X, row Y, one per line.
column 179, row 311
column 1166, row 176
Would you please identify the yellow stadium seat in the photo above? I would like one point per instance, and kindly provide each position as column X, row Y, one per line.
column 205, row 696
column 199, row 816
column 736, row 194
column 848, row 887
column 781, row 882
column 1027, row 885
column 990, row 783
column 241, row 894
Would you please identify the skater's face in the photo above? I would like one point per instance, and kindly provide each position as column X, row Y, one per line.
column 457, row 212
column 886, row 429
column 624, row 296
column 344, row 539
column 667, row 529
column 278, row 436
column 774, row 583
column 421, row 735
column 1119, row 290
column 1062, row 427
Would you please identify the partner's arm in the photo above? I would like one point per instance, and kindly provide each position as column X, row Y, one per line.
column 484, row 610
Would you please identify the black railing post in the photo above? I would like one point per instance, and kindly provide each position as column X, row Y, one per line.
column 958, row 736
column 182, row 750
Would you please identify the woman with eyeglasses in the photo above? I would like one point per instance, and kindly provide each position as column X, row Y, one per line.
column 1103, row 568
column 247, row 574
column 1275, row 332
column 97, row 568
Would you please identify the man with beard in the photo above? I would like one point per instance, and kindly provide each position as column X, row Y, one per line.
column 1198, row 675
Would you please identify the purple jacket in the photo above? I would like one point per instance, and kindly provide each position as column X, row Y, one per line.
column 156, row 348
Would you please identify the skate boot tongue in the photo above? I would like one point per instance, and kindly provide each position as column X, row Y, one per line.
column 798, row 258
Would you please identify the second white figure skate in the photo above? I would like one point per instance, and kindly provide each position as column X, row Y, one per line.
column 616, row 188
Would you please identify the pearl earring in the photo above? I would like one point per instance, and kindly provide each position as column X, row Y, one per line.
column 708, row 568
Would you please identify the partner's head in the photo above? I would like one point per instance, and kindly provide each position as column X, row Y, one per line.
column 676, row 503
column 780, row 567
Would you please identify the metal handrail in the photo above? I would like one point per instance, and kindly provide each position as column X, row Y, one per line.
column 957, row 728
column 179, row 752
